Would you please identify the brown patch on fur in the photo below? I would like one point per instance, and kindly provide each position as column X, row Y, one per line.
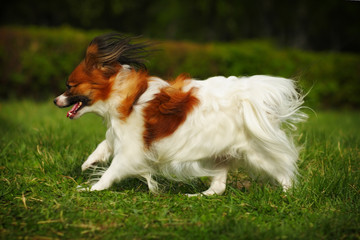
column 180, row 81
column 103, row 88
column 167, row 111
column 135, row 85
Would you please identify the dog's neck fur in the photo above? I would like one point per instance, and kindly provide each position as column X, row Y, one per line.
column 114, row 112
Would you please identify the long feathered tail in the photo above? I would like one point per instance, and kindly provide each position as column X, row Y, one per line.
column 275, row 99
column 269, row 104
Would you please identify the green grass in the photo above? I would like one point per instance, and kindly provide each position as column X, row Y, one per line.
column 41, row 153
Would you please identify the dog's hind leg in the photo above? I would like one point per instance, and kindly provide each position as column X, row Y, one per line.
column 152, row 184
column 217, row 186
column 280, row 165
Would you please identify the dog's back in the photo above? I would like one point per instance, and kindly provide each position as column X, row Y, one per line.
column 238, row 120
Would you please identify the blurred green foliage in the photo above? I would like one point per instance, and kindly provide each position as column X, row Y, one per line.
column 307, row 24
column 35, row 62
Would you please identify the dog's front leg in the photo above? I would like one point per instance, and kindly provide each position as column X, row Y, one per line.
column 119, row 169
column 101, row 154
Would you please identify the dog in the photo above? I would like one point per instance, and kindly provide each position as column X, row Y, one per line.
column 184, row 128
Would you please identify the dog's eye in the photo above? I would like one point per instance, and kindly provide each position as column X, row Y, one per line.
column 68, row 86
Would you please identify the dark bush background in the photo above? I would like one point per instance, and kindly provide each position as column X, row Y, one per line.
column 315, row 25
column 314, row 42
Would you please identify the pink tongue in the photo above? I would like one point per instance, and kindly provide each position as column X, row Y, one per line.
column 73, row 110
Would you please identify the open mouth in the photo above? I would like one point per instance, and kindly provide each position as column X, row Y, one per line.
column 77, row 103
column 74, row 110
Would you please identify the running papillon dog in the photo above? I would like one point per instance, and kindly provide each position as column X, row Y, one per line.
column 185, row 128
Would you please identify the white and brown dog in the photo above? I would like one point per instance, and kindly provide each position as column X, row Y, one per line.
column 185, row 128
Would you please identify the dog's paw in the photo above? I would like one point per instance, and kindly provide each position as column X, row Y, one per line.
column 80, row 188
column 194, row 194
column 97, row 187
column 209, row 192
column 86, row 165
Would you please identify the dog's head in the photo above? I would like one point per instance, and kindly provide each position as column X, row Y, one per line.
column 92, row 80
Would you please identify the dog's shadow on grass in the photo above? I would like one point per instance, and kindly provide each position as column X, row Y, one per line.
column 164, row 186
column 173, row 187
column 236, row 180
column 87, row 178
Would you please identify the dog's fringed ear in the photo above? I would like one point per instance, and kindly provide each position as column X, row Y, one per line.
column 108, row 50
column 91, row 57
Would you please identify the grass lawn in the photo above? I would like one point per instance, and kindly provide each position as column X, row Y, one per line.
column 41, row 153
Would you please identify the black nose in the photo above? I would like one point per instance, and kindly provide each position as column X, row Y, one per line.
column 55, row 101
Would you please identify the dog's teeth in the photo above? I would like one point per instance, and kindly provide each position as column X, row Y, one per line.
column 79, row 105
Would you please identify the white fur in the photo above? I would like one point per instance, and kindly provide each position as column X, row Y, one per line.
column 239, row 122
column 61, row 100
